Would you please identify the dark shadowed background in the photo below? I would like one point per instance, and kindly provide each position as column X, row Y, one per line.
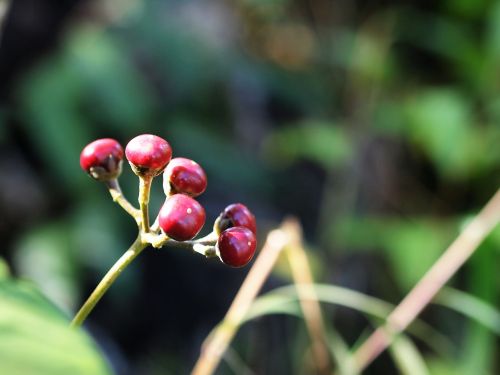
column 376, row 123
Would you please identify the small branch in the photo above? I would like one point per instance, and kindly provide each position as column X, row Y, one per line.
column 144, row 190
column 155, row 228
column 218, row 341
column 117, row 195
column 204, row 245
column 418, row 298
column 311, row 310
column 115, row 271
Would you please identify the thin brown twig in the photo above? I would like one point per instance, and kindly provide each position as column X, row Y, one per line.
column 302, row 275
column 418, row 298
column 219, row 340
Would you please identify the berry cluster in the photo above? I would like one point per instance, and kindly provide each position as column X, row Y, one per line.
column 181, row 217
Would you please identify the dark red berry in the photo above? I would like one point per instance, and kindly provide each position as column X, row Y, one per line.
column 235, row 215
column 102, row 159
column 148, row 154
column 236, row 246
column 184, row 176
column 181, row 217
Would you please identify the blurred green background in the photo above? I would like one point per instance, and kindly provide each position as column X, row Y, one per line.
column 376, row 123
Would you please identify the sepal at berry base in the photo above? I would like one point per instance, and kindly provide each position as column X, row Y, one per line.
column 148, row 155
column 102, row 159
column 235, row 215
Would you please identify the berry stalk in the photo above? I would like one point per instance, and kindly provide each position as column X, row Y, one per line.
column 117, row 195
column 115, row 271
column 144, row 191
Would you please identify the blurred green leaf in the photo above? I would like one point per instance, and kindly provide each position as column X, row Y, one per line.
column 49, row 100
column 411, row 246
column 273, row 304
column 182, row 56
column 211, row 149
column 470, row 306
column 281, row 300
column 440, row 122
column 478, row 355
column 493, row 32
column 439, row 366
column 36, row 338
column 468, row 8
column 114, row 90
column 4, row 269
column 324, row 143
column 236, row 363
column 407, row 357
column 450, row 40
column 44, row 256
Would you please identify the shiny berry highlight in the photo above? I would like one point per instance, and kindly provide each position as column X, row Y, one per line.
column 236, row 246
column 148, row 154
column 181, row 217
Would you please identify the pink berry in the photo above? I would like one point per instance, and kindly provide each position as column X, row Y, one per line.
column 184, row 176
column 148, row 154
column 181, row 217
column 236, row 246
column 102, row 159
column 235, row 215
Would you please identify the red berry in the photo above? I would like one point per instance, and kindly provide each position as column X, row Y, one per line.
column 148, row 154
column 235, row 215
column 102, row 159
column 236, row 246
column 184, row 176
column 181, row 217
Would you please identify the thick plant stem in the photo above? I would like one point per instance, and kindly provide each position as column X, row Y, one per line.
column 144, row 190
column 108, row 280
column 425, row 290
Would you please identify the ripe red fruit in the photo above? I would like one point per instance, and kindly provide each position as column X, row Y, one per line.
column 235, row 215
column 184, row 176
column 181, row 217
column 236, row 246
column 102, row 159
column 148, row 154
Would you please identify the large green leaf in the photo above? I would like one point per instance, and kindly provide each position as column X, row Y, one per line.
column 35, row 337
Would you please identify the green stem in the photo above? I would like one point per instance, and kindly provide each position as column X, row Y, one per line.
column 144, row 190
column 117, row 195
column 204, row 246
column 115, row 271
column 159, row 240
